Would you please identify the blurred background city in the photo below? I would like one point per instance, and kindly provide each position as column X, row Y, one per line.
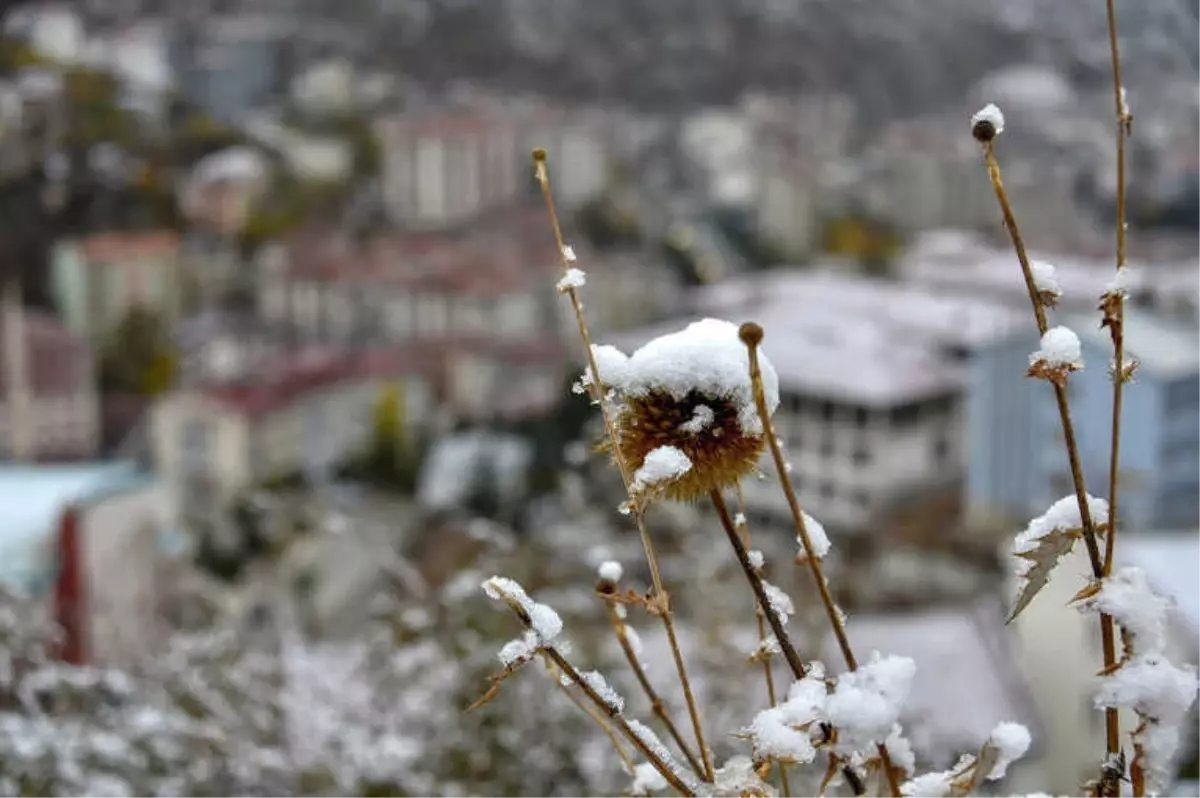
column 284, row 374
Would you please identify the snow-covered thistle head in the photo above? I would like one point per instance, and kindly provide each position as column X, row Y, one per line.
column 686, row 399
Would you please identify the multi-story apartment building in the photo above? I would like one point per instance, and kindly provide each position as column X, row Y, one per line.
column 1018, row 462
column 302, row 413
column 871, row 383
column 446, row 166
column 98, row 279
column 49, row 408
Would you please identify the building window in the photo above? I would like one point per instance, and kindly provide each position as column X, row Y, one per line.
column 905, row 415
column 827, row 446
column 195, row 442
column 861, row 455
column 828, row 491
column 941, row 450
column 861, row 417
column 827, row 411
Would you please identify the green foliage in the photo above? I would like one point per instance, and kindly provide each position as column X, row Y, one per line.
column 604, row 226
column 392, row 459
column 869, row 241
column 138, row 357
column 292, row 203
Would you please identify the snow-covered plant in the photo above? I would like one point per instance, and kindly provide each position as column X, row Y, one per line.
column 687, row 417
column 1138, row 677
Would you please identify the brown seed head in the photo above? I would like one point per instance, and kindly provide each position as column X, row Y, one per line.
column 983, row 131
column 750, row 333
column 721, row 453
column 539, row 154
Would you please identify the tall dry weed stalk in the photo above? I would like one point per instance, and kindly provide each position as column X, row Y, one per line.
column 695, row 429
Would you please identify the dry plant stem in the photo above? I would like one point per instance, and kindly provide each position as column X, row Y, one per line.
column 1060, row 392
column 1107, row 637
column 567, row 668
column 657, row 705
column 756, row 584
column 785, row 787
column 1112, row 720
column 662, row 599
column 751, row 335
column 603, row 723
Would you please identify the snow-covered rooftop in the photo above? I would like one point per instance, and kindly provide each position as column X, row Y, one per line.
column 843, row 337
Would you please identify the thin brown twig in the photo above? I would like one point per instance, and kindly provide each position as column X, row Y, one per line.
column 661, row 603
column 768, row 676
column 756, row 584
column 603, row 723
column 1116, row 325
column 752, row 336
column 657, row 705
column 1107, row 636
column 613, row 712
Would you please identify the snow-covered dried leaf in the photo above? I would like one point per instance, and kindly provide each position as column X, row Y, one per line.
column 1046, row 540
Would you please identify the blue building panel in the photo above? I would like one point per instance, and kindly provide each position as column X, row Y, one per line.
column 1017, row 463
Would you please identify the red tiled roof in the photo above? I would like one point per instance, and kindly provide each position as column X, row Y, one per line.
column 59, row 363
column 283, row 382
column 113, row 246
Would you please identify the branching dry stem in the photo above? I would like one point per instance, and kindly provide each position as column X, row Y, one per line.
column 752, row 336
column 1096, row 559
column 759, row 619
column 661, row 599
column 657, row 705
column 561, row 662
column 1116, row 326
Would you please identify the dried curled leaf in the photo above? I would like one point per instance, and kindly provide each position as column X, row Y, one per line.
column 1041, row 560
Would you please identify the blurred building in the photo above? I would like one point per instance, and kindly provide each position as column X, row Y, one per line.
column 87, row 537
column 97, row 280
column 871, row 386
column 1018, row 464
column 446, row 166
column 300, row 413
column 49, row 408
column 231, row 66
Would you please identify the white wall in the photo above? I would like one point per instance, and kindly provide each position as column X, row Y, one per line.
column 119, row 534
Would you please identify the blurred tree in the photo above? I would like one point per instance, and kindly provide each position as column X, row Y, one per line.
column 391, row 459
column 138, row 356
column 870, row 242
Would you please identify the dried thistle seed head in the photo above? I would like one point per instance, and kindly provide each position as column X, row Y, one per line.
column 691, row 391
column 706, row 429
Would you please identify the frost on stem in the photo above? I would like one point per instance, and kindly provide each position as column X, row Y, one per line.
column 690, row 390
column 600, row 686
column 545, row 625
column 865, row 704
column 816, row 536
column 1007, row 743
column 987, row 122
column 646, row 779
column 1144, row 680
column 1142, row 614
column 568, row 253
column 1060, row 353
column 738, row 777
column 781, row 603
column 1045, row 280
column 574, row 278
column 649, row 739
column 1046, row 540
column 785, row 731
